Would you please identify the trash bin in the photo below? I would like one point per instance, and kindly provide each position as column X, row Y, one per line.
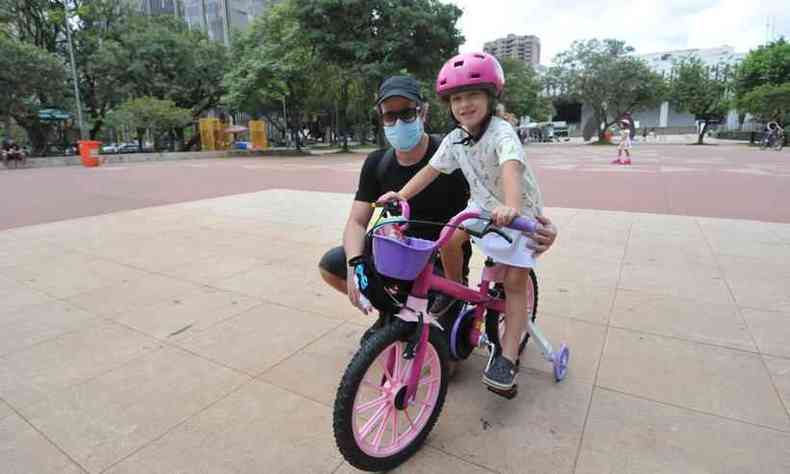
column 89, row 152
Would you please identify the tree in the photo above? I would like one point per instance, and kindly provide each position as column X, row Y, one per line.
column 769, row 64
column 768, row 102
column 603, row 76
column 30, row 79
column 700, row 90
column 159, row 116
column 523, row 91
column 366, row 40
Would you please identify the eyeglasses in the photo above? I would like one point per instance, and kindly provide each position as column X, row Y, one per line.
column 405, row 115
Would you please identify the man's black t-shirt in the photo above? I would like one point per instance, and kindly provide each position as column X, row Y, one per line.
column 440, row 201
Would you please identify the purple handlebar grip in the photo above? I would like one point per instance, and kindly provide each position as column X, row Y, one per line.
column 524, row 224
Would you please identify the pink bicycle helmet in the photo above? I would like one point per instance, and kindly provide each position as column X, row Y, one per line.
column 471, row 71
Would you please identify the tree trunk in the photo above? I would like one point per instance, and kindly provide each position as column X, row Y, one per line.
column 342, row 115
column 701, row 136
column 7, row 127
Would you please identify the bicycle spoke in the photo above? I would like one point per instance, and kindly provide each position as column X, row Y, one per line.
column 408, row 417
column 387, row 374
column 372, row 385
column 372, row 421
column 367, row 405
column 427, row 380
column 395, row 427
column 396, row 366
column 380, row 431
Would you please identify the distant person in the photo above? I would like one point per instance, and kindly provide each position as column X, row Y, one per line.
column 11, row 151
column 624, row 145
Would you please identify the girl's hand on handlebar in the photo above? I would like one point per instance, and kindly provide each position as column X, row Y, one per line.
column 544, row 236
column 389, row 197
column 503, row 215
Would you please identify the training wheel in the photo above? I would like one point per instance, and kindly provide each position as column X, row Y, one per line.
column 560, row 360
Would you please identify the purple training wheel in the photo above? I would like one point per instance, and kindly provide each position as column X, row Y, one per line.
column 560, row 361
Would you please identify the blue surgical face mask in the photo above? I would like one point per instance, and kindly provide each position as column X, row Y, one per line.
column 404, row 136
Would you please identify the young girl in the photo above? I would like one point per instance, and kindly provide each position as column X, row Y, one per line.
column 488, row 151
column 625, row 144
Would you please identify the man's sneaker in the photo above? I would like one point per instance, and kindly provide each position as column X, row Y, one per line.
column 441, row 303
column 500, row 373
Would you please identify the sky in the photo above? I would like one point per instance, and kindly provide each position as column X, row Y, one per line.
column 648, row 26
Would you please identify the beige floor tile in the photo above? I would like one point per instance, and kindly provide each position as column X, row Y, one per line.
column 588, row 272
column 29, row 375
column 213, row 268
column 688, row 281
column 23, row 450
column 566, row 248
column 712, row 379
column 76, row 274
column 427, row 461
column 30, row 325
column 630, row 435
column 590, row 303
column 259, row 338
column 133, row 295
column 111, row 416
column 184, row 315
column 780, row 373
column 315, row 371
column 22, row 253
column 659, row 252
column 771, row 331
column 677, row 317
column 585, row 341
column 537, row 432
column 753, row 291
column 5, row 410
column 296, row 287
column 14, row 296
column 260, row 428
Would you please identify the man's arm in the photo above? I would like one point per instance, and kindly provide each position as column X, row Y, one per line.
column 354, row 244
column 356, row 227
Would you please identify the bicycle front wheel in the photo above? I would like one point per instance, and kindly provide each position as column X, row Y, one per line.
column 376, row 429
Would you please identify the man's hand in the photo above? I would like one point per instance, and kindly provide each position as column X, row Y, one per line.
column 389, row 197
column 503, row 215
column 353, row 291
column 544, row 236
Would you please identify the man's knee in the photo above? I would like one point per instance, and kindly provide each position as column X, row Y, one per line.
column 332, row 267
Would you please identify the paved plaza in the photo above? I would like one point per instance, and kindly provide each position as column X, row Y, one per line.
column 169, row 318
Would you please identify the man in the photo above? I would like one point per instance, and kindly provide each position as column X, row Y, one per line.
column 402, row 110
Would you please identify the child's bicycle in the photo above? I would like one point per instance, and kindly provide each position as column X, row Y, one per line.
column 393, row 389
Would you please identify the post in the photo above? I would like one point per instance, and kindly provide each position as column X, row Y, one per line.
column 83, row 131
column 285, row 121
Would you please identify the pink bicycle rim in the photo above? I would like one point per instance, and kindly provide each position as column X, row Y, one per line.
column 380, row 429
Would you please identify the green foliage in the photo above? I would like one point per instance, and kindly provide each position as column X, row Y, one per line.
column 700, row 90
column 523, row 91
column 768, row 102
column 30, row 79
column 159, row 116
column 602, row 75
column 769, row 64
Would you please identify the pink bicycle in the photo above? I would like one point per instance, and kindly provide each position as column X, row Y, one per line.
column 393, row 390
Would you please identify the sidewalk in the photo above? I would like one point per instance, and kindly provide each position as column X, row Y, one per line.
column 198, row 337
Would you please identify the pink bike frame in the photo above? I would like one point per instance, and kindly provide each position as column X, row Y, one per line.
column 427, row 281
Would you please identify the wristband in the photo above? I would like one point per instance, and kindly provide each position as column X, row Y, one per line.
column 352, row 262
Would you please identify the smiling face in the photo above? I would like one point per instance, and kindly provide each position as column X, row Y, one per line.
column 470, row 108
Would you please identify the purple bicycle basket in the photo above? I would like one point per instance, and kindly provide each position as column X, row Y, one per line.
column 401, row 259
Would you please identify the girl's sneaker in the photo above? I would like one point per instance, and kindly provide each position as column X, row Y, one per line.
column 617, row 162
column 626, row 161
column 500, row 373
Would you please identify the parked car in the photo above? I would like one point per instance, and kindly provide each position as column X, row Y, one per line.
column 109, row 148
column 128, row 148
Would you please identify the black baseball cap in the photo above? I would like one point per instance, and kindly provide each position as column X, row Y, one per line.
column 399, row 86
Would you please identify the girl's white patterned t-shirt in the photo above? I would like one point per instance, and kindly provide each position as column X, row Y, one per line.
column 482, row 163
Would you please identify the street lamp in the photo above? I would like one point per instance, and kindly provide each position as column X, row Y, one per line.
column 83, row 131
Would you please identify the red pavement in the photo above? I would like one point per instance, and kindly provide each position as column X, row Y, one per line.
column 732, row 181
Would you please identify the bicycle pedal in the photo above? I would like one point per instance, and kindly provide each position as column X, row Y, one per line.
column 509, row 394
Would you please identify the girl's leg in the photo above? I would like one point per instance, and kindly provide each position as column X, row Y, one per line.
column 452, row 256
column 515, row 310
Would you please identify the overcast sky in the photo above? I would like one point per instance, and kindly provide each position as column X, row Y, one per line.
column 649, row 26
